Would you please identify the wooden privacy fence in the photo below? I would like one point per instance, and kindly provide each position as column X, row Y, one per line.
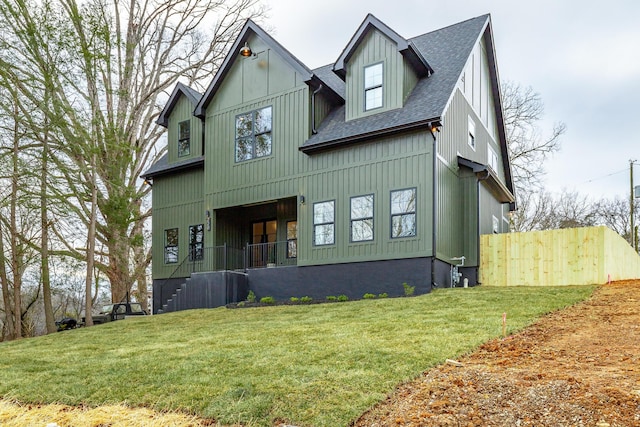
column 574, row 256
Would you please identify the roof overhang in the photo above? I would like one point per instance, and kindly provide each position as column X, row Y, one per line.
column 406, row 48
column 161, row 167
column 364, row 137
column 178, row 91
column 250, row 28
column 487, row 176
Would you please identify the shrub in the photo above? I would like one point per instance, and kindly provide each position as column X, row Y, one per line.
column 241, row 304
column 383, row 295
column 369, row 296
column 294, row 299
column 408, row 290
column 332, row 298
column 343, row 298
column 306, row 299
column 267, row 300
column 251, row 297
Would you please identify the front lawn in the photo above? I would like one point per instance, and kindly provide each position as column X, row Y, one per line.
column 311, row 365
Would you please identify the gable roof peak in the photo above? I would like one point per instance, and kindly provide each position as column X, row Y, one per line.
column 405, row 47
column 248, row 29
column 180, row 89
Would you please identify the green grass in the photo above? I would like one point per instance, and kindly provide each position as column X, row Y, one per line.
column 317, row 365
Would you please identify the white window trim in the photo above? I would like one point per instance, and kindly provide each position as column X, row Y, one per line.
column 492, row 158
column 471, row 135
column 373, row 87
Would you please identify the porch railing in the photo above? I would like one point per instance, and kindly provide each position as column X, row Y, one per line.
column 219, row 258
column 274, row 254
column 215, row 258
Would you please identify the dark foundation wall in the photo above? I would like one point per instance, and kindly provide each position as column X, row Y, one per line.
column 442, row 276
column 353, row 280
column 163, row 289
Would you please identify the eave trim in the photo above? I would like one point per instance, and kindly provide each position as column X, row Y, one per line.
column 361, row 137
column 489, row 179
column 406, row 49
column 249, row 28
column 175, row 167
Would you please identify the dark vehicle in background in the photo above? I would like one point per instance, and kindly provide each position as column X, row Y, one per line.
column 117, row 311
column 66, row 323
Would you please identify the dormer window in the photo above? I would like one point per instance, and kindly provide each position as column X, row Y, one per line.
column 373, row 86
column 184, row 138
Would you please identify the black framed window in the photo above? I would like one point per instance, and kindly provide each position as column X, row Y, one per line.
column 373, row 86
column 403, row 213
column 196, row 242
column 362, row 218
column 171, row 246
column 292, row 239
column 324, row 223
column 184, row 138
column 472, row 133
column 253, row 134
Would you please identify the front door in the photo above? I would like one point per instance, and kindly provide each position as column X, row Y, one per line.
column 263, row 237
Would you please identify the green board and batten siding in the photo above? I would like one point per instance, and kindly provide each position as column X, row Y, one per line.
column 377, row 168
column 183, row 110
column 458, row 198
column 177, row 203
column 398, row 77
column 231, row 183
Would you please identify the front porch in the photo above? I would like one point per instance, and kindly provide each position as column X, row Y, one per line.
column 227, row 258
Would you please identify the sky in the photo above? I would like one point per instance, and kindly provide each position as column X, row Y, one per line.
column 581, row 56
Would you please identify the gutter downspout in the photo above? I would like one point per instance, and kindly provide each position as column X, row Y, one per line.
column 313, row 109
column 435, row 211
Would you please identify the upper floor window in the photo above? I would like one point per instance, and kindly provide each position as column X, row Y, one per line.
column 253, row 134
column 171, row 246
column 472, row 133
column 492, row 158
column 324, row 223
column 362, row 218
column 403, row 213
column 373, row 86
column 184, row 138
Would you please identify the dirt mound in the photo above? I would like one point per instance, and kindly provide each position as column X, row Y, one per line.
column 576, row 367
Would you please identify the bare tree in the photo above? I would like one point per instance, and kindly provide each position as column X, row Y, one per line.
column 542, row 210
column 614, row 213
column 528, row 148
column 114, row 63
column 534, row 209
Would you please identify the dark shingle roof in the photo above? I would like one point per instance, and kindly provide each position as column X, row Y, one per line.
column 162, row 166
column 329, row 78
column 407, row 49
column 447, row 51
column 180, row 89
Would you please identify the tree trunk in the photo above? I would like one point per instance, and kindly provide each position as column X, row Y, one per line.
column 6, row 298
column 44, row 249
column 139, row 256
column 118, row 273
column 13, row 232
column 91, row 245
